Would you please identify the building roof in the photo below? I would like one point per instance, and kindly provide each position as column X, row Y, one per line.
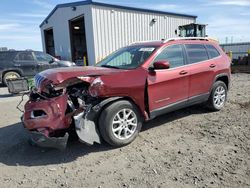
column 88, row 2
column 235, row 44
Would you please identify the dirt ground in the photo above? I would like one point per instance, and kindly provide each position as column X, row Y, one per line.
column 187, row 148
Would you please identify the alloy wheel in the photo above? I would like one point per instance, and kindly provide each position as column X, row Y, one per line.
column 219, row 96
column 124, row 124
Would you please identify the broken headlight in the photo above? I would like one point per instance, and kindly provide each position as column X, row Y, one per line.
column 95, row 87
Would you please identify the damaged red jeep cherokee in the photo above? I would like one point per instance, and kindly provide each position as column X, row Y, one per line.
column 112, row 99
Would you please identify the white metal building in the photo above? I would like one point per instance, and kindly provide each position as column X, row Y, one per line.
column 93, row 29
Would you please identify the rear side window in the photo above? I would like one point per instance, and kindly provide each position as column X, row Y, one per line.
column 173, row 54
column 24, row 56
column 3, row 56
column 6, row 56
column 196, row 53
column 212, row 51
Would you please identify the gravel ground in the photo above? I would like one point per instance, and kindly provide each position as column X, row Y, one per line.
column 187, row 148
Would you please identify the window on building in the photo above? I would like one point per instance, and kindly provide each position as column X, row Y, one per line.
column 196, row 53
column 173, row 54
column 212, row 51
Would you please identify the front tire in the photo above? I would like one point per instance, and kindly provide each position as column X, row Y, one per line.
column 218, row 96
column 120, row 123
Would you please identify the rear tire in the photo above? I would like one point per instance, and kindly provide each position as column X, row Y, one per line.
column 218, row 96
column 10, row 75
column 120, row 123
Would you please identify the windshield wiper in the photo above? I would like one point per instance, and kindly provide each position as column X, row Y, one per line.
column 110, row 66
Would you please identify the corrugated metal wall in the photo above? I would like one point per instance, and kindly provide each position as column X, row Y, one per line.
column 238, row 49
column 114, row 28
column 108, row 29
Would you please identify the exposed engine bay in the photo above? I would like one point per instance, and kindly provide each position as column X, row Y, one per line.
column 72, row 100
column 55, row 111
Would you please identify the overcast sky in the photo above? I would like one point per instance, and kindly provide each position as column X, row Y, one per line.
column 20, row 19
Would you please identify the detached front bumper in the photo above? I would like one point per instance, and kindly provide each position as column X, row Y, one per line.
column 41, row 140
column 49, row 114
column 43, row 118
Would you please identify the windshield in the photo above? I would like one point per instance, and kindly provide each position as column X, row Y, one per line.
column 129, row 57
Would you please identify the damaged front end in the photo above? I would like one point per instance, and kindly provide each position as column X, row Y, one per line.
column 54, row 111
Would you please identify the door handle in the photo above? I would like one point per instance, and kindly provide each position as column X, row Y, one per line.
column 183, row 72
column 212, row 66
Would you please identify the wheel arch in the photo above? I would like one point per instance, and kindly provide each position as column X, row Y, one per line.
column 106, row 102
column 9, row 70
column 12, row 70
column 224, row 78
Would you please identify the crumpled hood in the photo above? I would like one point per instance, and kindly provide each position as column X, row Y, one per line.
column 58, row 75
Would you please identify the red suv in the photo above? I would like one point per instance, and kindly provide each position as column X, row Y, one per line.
column 112, row 99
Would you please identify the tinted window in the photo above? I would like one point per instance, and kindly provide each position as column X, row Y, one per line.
column 212, row 51
column 7, row 56
column 173, row 54
column 40, row 56
column 4, row 55
column 196, row 53
column 24, row 56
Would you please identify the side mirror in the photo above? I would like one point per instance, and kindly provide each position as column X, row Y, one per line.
column 51, row 61
column 161, row 65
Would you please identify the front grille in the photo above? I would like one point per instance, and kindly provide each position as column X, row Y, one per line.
column 38, row 80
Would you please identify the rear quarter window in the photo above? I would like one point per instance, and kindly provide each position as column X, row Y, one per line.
column 5, row 56
column 196, row 53
column 212, row 51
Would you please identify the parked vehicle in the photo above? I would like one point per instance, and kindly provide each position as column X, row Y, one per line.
column 14, row 64
column 134, row 84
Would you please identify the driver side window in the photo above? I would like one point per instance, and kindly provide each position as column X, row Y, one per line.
column 173, row 54
column 42, row 57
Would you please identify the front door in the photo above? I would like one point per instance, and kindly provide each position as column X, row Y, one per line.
column 44, row 61
column 169, row 86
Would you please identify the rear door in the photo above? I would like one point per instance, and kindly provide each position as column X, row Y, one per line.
column 201, row 69
column 26, row 62
column 169, row 86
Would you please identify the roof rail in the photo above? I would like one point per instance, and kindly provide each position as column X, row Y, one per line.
column 135, row 42
column 190, row 38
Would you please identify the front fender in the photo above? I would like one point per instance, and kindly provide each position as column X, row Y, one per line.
column 86, row 122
